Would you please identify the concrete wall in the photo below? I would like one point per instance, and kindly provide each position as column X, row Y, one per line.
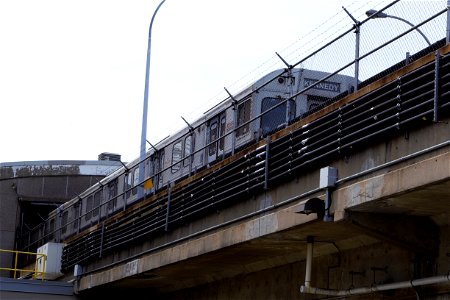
column 9, row 217
column 220, row 264
column 372, row 265
column 40, row 183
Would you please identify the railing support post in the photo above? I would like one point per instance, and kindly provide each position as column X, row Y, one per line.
column 436, row 88
column 266, row 165
column 169, row 195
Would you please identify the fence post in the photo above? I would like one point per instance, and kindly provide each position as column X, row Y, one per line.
column 358, row 33
column 357, row 27
column 448, row 22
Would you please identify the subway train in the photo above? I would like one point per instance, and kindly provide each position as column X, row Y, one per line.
column 267, row 105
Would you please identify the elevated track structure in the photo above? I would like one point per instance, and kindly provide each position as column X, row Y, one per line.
column 351, row 199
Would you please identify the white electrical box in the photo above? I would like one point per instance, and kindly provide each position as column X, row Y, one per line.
column 77, row 270
column 52, row 266
column 328, row 177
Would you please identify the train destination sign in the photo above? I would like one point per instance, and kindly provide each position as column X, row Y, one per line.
column 324, row 85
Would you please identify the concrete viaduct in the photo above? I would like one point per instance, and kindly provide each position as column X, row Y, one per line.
column 384, row 232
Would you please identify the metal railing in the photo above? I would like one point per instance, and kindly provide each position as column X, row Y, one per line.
column 367, row 57
column 39, row 264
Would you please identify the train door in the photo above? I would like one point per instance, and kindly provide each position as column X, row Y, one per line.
column 215, row 137
column 113, row 192
column 159, row 167
column 188, row 158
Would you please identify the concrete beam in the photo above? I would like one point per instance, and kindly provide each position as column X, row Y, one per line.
column 417, row 234
column 390, row 186
column 245, row 231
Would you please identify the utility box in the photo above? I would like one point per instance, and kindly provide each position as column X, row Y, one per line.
column 52, row 266
column 328, row 177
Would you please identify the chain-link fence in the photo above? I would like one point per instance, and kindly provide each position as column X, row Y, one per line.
column 353, row 52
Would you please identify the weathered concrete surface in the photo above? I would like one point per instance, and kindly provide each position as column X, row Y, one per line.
column 228, row 237
column 29, row 190
column 57, row 168
column 391, row 224
column 275, row 239
column 391, row 186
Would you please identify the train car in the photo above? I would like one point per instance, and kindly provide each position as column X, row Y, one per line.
column 265, row 106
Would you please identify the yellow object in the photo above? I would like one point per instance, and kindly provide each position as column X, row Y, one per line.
column 35, row 272
column 148, row 184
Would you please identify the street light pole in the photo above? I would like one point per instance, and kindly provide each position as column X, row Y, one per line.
column 145, row 108
column 376, row 14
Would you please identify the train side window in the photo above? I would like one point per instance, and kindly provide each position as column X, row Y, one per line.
column 89, row 204
column 76, row 208
column 136, row 177
column 135, row 180
column 212, row 137
column 273, row 118
column 187, row 150
column 222, row 132
column 292, row 109
column 96, row 203
column 64, row 220
column 160, row 167
column 112, row 197
column 176, row 156
column 243, row 117
column 128, row 186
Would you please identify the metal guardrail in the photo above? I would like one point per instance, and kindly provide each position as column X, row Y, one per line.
column 405, row 103
column 41, row 260
column 377, row 55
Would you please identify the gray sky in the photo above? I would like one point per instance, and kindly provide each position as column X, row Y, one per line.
column 72, row 72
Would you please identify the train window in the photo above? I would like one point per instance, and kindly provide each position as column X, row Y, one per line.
column 89, row 204
column 222, row 132
column 273, row 118
column 64, row 220
column 135, row 180
column 212, row 137
column 160, row 167
column 96, row 203
column 176, row 156
column 292, row 109
column 128, row 184
column 243, row 117
column 187, row 150
column 112, row 196
column 76, row 213
column 277, row 116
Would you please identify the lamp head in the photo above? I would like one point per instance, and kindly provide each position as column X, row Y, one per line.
column 375, row 14
column 314, row 205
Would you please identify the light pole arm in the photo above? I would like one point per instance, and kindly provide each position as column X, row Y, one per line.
column 145, row 108
column 410, row 24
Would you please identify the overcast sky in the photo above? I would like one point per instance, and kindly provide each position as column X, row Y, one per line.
column 72, row 72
